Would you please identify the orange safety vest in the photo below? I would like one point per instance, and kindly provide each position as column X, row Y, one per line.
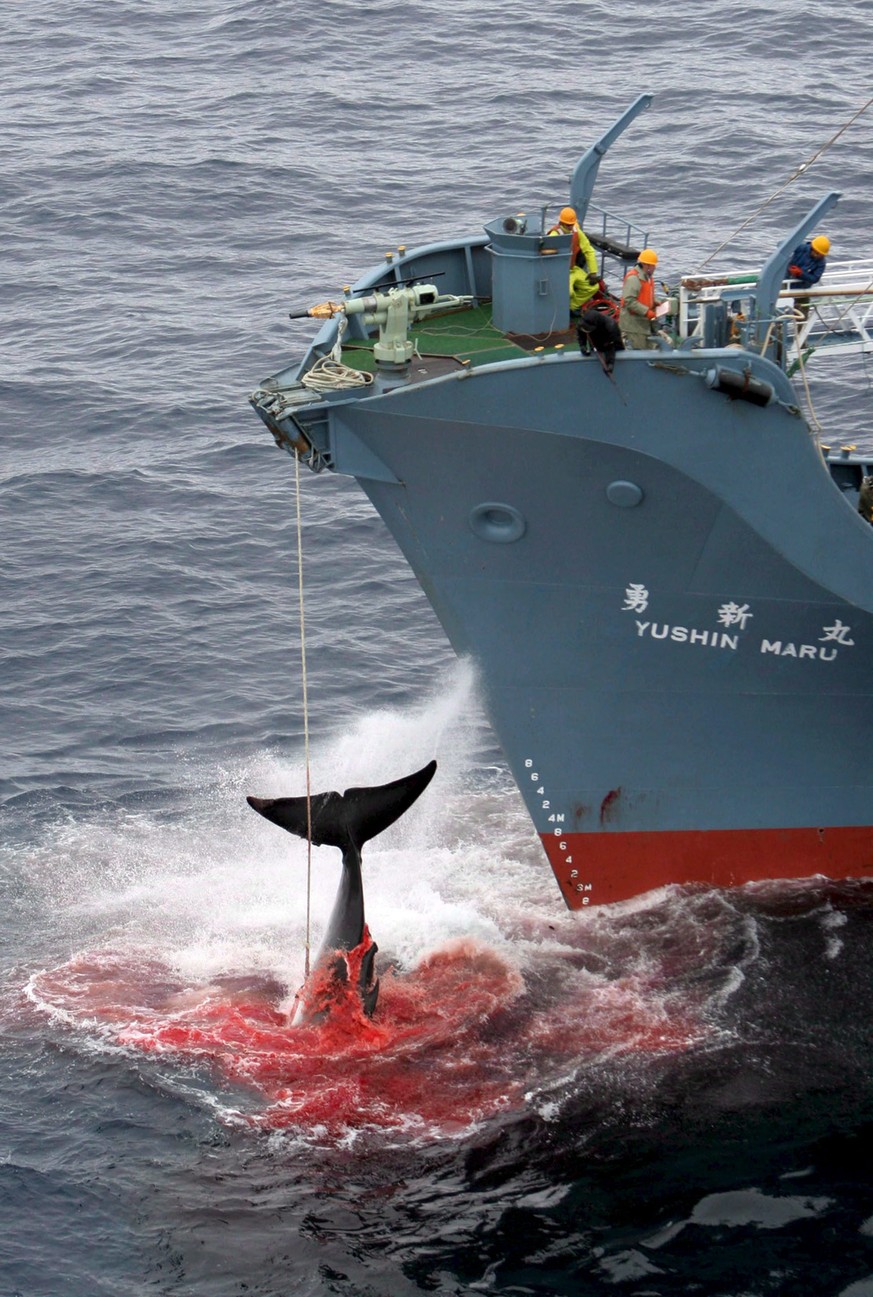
column 574, row 243
column 646, row 295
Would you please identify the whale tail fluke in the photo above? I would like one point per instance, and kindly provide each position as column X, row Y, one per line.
column 346, row 819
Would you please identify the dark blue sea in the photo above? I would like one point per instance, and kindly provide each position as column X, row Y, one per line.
column 672, row 1096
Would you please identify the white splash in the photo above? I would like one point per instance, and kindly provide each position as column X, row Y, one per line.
column 220, row 889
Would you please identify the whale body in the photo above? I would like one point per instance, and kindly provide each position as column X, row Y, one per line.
column 347, row 821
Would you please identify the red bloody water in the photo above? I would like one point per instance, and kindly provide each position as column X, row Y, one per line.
column 453, row 1042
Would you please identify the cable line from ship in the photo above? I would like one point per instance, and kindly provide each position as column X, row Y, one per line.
column 804, row 167
column 307, row 943
column 814, row 424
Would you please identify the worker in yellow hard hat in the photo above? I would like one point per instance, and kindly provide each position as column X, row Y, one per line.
column 637, row 318
column 808, row 261
column 807, row 265
column 584, row 271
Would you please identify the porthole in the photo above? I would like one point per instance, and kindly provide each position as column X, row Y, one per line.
column 498, row 523
column 624, row 495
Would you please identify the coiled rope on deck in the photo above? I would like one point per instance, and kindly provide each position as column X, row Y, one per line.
column 329, row 374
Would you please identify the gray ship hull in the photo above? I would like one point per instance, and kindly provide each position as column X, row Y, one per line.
column 665, row 586
column 668, row 603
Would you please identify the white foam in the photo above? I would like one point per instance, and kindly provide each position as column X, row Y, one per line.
column 220, row 889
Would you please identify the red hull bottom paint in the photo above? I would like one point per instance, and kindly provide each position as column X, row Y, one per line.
column 596, row 868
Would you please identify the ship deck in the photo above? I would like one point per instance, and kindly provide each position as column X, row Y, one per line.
column 839, row 321
column 459, row 339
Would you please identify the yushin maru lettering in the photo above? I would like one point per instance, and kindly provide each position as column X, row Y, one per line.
column 687, row 635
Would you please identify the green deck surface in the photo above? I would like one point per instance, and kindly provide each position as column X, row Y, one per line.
column 467, row 335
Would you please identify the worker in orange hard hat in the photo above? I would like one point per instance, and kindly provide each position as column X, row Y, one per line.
column 637, row 318
column 806, row 267
column 584, row 271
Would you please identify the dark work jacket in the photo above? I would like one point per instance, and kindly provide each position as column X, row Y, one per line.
column 810, row 266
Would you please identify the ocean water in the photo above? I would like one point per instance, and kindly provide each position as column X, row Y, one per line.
column 669, row 1096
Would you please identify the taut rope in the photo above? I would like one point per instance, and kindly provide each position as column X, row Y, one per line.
column 804, row 166
column 305, row 712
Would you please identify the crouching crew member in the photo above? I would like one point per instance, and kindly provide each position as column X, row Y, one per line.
column 598, row 331
column 637, row 319
column 808, row 261
column 807, row 265
column 584, row 271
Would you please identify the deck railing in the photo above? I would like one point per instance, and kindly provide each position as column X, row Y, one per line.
column 836, row 316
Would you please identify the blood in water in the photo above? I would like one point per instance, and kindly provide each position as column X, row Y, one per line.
column 456, row 1040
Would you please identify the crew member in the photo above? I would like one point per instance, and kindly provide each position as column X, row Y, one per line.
column 808, row 261
column 637, row 319
column 584, row 271
column 598, row 331
column 807, row 265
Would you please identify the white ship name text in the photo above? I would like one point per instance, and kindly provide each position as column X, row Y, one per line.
column 714, row 639
column 688, row 635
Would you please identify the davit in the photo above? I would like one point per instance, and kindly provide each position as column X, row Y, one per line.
column 345, row 820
